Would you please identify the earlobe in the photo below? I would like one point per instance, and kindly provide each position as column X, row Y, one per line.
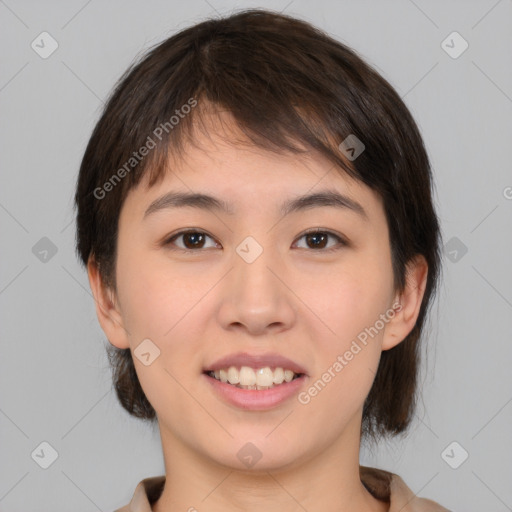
column 407, row 304
column 109, row 315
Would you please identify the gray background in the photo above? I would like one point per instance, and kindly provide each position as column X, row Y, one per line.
column 54, row 378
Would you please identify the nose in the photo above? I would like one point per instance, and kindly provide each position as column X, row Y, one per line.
column 256, row 297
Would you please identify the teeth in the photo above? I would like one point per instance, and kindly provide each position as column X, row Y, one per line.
column 233, row 375
column 264, row 377
column 248, row 378
column 278, row 376
column 288, row 375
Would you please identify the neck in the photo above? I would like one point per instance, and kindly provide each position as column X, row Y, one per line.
column 328, row 481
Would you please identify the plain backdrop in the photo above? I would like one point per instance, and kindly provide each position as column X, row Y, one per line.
column 55, row 384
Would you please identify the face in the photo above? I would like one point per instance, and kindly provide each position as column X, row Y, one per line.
column 313, row 284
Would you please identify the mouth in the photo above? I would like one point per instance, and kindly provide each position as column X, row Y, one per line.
column 255, row 382
column 255, row 389
column 262, row 378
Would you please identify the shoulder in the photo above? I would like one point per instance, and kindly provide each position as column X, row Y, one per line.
column 146, row 493
column 383, row 485
column 390, row 487
column 403, row 498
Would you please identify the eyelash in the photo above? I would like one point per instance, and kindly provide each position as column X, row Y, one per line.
column 341, row 242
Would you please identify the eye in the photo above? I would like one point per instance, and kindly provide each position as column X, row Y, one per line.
column 193, row 240
column 318, row 239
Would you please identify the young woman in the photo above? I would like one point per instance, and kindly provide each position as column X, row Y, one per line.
column 255, row 212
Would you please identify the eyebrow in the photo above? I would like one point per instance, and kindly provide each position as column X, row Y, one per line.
column 323, row 198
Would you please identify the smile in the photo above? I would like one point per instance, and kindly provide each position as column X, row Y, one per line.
column 252, row 397
column 246, row 377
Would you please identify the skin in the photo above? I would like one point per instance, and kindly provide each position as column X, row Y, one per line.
column 294, row 299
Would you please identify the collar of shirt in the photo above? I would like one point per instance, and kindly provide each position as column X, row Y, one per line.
column 383, row 485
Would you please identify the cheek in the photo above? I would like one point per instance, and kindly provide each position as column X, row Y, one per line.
column 165, row 307
column 351, row 305
column 154, row 297
column 348, row 359
column 350, row 301
column 147, row 311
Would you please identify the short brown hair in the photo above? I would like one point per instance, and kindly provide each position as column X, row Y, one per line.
column 285, row 82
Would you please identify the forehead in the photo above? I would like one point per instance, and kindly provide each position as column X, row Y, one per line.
column 220, row 161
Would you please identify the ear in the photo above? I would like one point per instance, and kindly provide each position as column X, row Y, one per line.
column 109, row 315
column 407, row 304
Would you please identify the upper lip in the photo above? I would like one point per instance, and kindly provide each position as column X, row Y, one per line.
column 255, row 361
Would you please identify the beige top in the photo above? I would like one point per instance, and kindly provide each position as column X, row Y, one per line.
column 381, row 484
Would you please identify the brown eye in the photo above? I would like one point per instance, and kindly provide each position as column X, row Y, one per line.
column 192, row 240
column 318, row 240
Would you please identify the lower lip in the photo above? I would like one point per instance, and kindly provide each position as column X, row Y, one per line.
column 254, row 399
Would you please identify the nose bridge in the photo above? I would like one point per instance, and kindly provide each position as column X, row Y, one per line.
column 256, row 298
column 254, row 279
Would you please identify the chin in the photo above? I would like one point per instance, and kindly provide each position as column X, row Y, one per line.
column 258, row 452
